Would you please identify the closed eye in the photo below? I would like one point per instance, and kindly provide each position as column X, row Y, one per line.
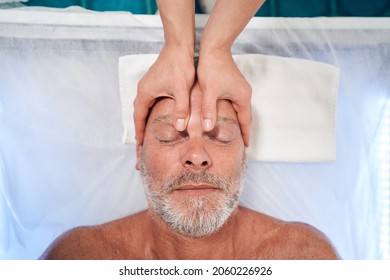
column 171, row 137
column 164, row 131
column 221, row 136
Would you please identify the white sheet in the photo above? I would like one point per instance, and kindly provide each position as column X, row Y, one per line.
column 63, row 164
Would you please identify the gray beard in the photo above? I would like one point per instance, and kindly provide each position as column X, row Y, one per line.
column 194, row 216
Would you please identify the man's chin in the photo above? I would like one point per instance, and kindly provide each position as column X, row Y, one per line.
column 197, row 216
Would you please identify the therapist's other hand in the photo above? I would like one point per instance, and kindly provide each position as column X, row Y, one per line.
column 220, row 78
column 172, row 75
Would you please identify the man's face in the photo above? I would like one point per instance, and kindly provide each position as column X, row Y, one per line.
column 193, row 178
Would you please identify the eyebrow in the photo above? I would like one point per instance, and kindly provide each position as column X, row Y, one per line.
column 168, row 118
column 226, row 120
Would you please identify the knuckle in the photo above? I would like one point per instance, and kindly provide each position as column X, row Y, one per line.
column 181, row 107
column 208, row 110
column 246, row 91
column 142, row 85
column 181, row 111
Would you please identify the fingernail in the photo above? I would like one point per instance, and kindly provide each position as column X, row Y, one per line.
column 180, row 124
column 207, row 124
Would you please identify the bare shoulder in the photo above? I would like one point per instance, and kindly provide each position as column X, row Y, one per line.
column 106, row 241
column 72, row 245
column 307, row 242
column 277, row 239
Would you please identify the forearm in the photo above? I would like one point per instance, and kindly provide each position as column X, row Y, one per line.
column 178, row 18
column 227, row 20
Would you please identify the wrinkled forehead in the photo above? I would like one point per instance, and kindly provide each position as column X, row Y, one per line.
column 163, row 110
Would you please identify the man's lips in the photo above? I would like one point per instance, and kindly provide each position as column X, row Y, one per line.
column 196, row 187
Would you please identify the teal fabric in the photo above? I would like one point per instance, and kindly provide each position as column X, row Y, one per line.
column 296, row 8
column 315, row 8
column 134, row 6
column 53, row 3
column 271, row 8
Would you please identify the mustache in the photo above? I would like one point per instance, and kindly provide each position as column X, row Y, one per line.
column 190, row 178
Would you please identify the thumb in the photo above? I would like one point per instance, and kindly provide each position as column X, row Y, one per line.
column 181, row 110
column 209, row 110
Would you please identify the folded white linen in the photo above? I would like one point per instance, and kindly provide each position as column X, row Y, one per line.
column 293, row 105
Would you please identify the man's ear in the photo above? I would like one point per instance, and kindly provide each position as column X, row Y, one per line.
column 138, row 164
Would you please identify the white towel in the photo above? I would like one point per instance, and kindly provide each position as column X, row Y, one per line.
column 293, row 105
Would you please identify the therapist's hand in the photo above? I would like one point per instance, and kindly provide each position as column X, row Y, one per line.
column 219, row 78
column 218, row 75
column 172, row 75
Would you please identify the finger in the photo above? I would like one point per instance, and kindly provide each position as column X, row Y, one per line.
column 141, row 111
column 139, row 115
column 243, row 108
column 209, row 110
column 181, row 110
column 245, row 119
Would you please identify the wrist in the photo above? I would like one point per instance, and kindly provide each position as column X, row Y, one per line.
column 214, row 46
column 180, row 49
column 212, row 53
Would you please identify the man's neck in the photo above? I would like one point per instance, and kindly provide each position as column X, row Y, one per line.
column 166, row 243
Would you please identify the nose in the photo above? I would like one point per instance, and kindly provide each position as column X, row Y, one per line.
column 196, row 157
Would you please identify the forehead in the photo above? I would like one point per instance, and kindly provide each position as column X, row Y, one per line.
column 163, row 111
